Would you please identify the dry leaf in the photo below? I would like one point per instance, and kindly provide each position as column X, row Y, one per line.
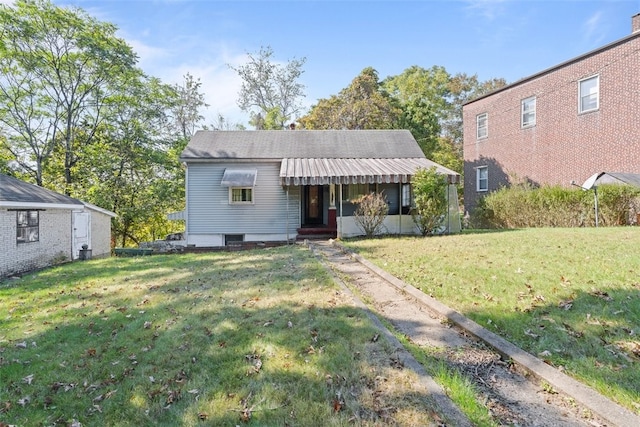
column 22, row 344
column 531, row 334
column 203, row 416
column 28, row 379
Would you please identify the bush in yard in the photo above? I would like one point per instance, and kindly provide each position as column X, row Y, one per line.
column 429, row 199
column 556, row 206
column 370, row 214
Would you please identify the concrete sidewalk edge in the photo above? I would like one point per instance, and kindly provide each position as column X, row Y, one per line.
column 584, row 395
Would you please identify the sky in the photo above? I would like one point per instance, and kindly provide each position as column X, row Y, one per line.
column 509, row 39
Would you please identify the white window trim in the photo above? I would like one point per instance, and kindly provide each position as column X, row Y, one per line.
column 523, row 112
column 248, row 202
column 28, row 226
column 478, row 188
column 580, row 96
column 486, row 126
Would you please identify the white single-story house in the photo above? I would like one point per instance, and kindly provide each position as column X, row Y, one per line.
column 266, row 186
column 40, row 227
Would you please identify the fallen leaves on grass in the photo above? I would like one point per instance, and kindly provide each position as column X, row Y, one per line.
column 601, row 294
column 256, row 362
column 566, row 304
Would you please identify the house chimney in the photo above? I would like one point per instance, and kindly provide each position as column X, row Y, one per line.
column 635, row 23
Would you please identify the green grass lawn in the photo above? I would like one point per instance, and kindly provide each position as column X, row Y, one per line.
column 259, row 337
column 569, row 296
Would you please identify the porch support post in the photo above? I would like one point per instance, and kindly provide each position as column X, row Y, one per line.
column 331, row 221
column 287, row 220
column 400, row 209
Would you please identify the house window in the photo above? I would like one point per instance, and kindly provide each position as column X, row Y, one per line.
column 353, row 192
column 528, row 117
column 482, row 126
column 28, row 226
column 240, row 195
column 482, row 178
column 589, row 94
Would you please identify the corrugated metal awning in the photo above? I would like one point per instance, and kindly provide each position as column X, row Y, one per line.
column 239, row 178
column 323, row 171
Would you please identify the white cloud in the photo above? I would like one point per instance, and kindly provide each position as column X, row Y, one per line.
column 594, row 28
column 488, row 9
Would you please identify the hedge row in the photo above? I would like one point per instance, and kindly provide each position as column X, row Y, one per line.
column 555, row 206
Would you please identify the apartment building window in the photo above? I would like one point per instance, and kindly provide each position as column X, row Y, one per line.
column 28, row 226
column 589, row 94
column 482, row 178
column 528, row 117
column 482, row 126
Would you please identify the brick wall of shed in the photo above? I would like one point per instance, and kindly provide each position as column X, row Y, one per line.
column 54, row 243
column 563, row 145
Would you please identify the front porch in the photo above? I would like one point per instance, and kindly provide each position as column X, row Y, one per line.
column 317, row 232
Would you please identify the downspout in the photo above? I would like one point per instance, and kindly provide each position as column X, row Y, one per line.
column 340, row 227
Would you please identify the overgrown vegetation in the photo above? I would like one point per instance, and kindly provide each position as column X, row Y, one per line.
column 430, row 201
column 370, row 214
column 571, row 296
column 245, row 338
column 522, row 206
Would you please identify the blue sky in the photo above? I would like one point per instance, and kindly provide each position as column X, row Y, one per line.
column 491, row 38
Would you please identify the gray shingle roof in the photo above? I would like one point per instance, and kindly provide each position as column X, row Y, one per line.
column 17, row 193
column 279, row 144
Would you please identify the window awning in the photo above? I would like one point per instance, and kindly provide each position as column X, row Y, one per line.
column 239, row 178
column 323, row 171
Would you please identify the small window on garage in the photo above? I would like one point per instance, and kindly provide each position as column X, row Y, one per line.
column 28, row 226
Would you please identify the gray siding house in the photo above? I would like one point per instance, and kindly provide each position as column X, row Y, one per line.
column 261, row 186
column 40, row 227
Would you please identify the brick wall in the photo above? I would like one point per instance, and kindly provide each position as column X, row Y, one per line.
column 54, row 243
column 563, row 145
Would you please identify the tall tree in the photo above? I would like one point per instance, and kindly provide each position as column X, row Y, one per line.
column 362, row 105
column 422, row 95
column 131, row 167
column 187, row 112
column 269, row 87
column 58, row 69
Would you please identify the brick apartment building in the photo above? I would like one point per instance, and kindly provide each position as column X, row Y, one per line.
column 562, row 124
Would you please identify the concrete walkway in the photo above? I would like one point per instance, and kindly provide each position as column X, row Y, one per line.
column 420, row 317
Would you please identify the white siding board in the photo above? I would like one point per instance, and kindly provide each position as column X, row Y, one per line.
column 211, row 213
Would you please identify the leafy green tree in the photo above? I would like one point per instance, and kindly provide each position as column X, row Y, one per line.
column 430, row 200
column 268, row 86
column 362, row 105
column 59, row 68
column 422, row 96
column 131, row 168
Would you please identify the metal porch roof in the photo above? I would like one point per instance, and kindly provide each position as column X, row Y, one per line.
column 323, row 171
